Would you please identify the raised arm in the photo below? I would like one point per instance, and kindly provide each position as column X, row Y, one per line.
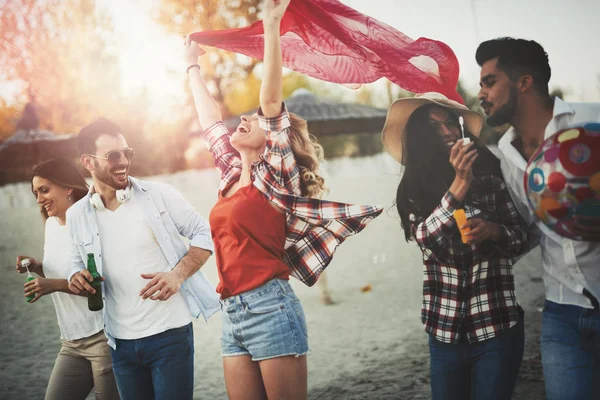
column 273, row 116
column 272, row 83
column 207, row 108
column 435, row 233
column 215, row 135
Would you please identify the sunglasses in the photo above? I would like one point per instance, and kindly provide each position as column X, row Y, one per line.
column 113, row 157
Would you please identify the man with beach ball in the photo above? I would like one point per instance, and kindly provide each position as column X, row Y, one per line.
column 558, row 194
column 562, row 181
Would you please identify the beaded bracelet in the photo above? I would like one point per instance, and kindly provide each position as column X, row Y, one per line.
column 192, row 66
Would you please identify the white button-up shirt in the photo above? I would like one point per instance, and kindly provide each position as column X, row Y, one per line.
column 170, row 217
column 570, row 266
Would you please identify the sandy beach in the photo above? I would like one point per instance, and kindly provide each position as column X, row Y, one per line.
column 369, row 345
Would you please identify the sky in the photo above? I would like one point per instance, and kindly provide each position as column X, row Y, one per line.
column 149, row 56
column 567, row 29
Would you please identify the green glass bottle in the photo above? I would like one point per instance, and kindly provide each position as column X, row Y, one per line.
column 95, row 302
column 26, row 263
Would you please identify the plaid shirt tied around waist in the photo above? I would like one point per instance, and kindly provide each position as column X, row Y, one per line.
column 314, row 228
column 469, row 289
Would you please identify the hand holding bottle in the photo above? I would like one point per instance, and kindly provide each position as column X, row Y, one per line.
column 461, row 221
column 35, row 288
column 25, row 263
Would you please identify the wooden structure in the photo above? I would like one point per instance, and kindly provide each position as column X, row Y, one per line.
column 24, row 149
column 327, row 118
column 344, row 129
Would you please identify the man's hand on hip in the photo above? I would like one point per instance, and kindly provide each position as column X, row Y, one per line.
column 162, row 285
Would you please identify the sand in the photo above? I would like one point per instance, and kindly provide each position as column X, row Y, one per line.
column 368, row 345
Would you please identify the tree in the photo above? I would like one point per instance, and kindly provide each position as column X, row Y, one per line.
column 59, row 52
column 9, row 115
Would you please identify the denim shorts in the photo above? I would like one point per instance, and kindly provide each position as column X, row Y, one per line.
column 265, row 322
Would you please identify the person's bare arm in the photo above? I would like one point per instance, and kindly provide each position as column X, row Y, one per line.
column 206, row 107
column 272, row 85
column 163, row 285
column 43, row 286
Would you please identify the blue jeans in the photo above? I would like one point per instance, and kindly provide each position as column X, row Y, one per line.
column 265, row 322
column 157, row 367
column 485, row 370
column 570, row 346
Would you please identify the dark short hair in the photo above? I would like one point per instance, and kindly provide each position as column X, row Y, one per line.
column 63, row 173
column 517, row 57
column 86, row 139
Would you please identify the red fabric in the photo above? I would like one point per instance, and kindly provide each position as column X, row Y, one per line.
column 249, row 238
column 330, row 41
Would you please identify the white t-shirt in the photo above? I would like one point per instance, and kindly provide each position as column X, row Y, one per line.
column 75, row 320
column 129, row 249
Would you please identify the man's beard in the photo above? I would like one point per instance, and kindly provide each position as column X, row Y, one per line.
column 107, row 179
column 505, row 114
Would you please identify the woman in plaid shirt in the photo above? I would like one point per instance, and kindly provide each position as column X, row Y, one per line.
column 470, row 312
column 266, row 226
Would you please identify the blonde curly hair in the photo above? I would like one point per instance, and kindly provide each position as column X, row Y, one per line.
column 308, row 154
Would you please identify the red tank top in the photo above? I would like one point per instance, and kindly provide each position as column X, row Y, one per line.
column 249, row 238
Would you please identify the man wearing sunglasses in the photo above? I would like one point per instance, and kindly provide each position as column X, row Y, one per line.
column 152, row 283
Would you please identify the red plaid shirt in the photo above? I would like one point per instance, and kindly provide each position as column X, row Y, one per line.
column 314, row 228
column 470, row 289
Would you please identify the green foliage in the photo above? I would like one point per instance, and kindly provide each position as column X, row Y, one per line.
column 9, row 115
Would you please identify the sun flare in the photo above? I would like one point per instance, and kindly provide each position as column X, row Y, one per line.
column 150, row 60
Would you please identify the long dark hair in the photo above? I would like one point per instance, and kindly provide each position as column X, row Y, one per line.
column 63, row 173
column 427, row 170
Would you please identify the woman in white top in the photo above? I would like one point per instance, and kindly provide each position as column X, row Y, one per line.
column 84, row 360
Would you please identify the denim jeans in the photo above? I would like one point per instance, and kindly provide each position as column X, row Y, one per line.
column 157, row 367
column 265, row 322
column 485, row 370
column 570, row 346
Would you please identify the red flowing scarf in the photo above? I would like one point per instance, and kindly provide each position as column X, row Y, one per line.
column 328, row 40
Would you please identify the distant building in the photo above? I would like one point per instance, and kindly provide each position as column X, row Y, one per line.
column 26, row 148
column 326, row 117
column 343, row 129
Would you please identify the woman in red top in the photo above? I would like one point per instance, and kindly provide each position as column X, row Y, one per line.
column 266, row 226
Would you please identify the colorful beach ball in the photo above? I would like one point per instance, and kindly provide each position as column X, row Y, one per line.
column 562, row 179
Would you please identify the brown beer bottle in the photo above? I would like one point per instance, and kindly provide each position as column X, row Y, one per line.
column 95, row 302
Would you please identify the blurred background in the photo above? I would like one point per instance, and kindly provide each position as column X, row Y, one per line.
column 65, row 62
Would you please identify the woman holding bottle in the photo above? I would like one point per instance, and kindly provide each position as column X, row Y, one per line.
column 84, row 362
column 470, row 311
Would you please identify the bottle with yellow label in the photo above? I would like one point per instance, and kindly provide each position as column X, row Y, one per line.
column 461, row 218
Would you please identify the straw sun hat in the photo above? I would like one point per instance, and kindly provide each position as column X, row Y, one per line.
column 394, row 129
